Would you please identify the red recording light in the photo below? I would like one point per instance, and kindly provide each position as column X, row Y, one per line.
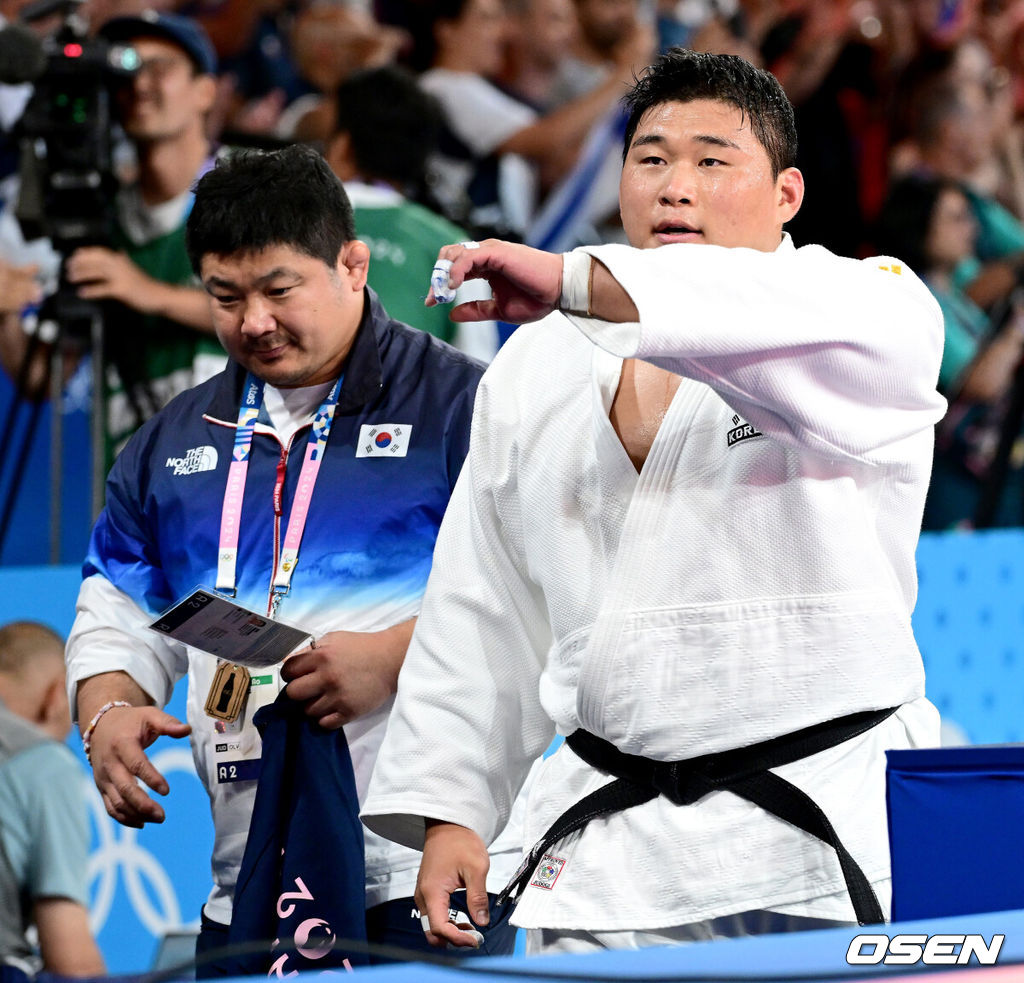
column 72, row 50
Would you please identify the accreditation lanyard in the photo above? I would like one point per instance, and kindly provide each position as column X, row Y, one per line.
column 231, row 512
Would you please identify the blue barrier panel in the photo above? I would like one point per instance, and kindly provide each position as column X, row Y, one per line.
column 953, row 830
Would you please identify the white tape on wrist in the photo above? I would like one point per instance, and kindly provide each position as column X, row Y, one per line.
column 576, row 270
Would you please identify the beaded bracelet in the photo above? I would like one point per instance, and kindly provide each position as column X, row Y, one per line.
column 87, row 736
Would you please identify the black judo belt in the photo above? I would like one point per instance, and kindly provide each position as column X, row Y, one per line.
column 742, row 771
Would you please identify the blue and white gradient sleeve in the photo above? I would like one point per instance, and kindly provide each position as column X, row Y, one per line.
column 110, row 633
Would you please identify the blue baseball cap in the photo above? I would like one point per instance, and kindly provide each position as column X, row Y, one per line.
column 186, row 33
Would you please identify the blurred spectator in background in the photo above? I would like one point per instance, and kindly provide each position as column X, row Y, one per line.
column 540, row 34
column 481, row 175
column 967, row 80
column 1000, row 174
column 953, row 137
column 252, row 39
column 281, row 61
column 496, row 151
column 929, row 223
column 940, row 25
column 44, row 834
column 834, row 68
column 329, row 42
column 614, row 41
column 724, row 26
column 610, row 32
column 386, row 127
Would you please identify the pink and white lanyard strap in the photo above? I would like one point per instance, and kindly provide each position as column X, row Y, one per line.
column 231, row 512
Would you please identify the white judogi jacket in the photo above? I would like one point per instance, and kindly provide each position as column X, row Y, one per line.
column 755, row 578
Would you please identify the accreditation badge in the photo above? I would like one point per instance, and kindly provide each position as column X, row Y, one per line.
column 237, row 748
column 228, row 691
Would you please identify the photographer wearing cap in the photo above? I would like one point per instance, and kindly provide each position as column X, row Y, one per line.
column 159, row 332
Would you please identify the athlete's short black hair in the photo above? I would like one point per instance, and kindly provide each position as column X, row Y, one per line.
column 681, row 75
column 254, row 200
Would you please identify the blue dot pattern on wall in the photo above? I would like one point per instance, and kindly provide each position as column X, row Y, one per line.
column 969, row 624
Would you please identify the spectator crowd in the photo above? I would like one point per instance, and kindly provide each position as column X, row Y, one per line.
column 467, row 118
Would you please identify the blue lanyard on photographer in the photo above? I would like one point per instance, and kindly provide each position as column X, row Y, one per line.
column 231, row 511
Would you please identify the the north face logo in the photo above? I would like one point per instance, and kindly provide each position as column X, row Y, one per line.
column 195, row 459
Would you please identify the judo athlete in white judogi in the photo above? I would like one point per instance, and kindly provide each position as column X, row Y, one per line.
column 685, row 532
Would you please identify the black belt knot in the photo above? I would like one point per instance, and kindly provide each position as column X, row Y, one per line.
column 680, row 786
column 743, row 771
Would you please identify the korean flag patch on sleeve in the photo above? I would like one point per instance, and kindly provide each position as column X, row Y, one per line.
column 383, row 440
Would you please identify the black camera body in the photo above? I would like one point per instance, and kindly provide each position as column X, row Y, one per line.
column 66, row 139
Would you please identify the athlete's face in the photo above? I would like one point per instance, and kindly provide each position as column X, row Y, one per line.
column 695, row 172
column 285, row 316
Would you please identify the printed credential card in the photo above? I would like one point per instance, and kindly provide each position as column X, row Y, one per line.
column 216, row 624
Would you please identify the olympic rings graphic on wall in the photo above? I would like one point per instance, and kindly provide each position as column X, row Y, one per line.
column 118, row 850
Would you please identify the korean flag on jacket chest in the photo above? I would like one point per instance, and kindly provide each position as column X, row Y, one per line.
column 383, row 440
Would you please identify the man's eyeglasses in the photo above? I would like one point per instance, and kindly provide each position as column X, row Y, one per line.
column 160, row 67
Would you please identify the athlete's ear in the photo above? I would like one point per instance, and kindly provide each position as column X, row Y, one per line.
column 790, row 188
column 354, row 263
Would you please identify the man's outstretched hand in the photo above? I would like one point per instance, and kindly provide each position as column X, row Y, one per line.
column 525, row 283
column 119, row 759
